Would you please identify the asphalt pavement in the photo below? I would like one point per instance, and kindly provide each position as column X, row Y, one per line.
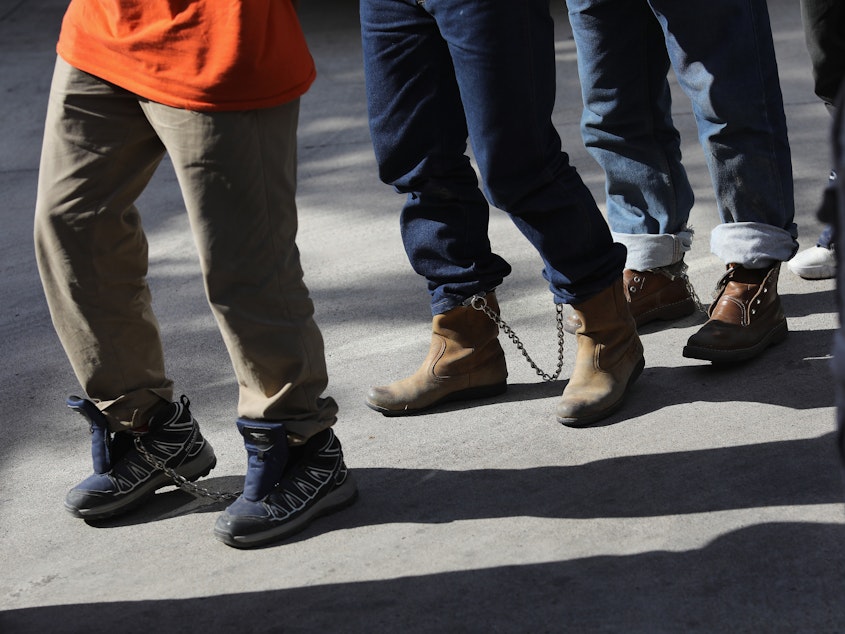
column 712, row 502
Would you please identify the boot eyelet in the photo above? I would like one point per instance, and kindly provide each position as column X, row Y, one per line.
column 632, row 289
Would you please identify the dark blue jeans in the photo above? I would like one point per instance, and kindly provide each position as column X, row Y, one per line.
column 442, row 71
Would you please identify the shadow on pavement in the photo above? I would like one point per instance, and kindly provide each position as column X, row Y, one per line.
column 732, row 584
column 763, row 475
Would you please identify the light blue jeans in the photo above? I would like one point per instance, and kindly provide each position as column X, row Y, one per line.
column 625, row 49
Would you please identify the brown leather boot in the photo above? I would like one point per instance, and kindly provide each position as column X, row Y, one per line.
column 608, row 361
column 465, row 361
column 655, row 294
column 745, row 318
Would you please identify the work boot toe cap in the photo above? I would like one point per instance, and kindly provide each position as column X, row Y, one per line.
column 382, row 398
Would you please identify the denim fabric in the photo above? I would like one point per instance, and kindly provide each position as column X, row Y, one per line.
column 625, row 50
column 752, row 244
column 824, row 32
column 654, row 250
column 825, row 238
column 443, row 71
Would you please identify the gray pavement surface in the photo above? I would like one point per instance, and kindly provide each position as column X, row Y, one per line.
column 711, row 503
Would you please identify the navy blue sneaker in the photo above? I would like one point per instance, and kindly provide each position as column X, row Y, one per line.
column 286, row 488
column 125, row 475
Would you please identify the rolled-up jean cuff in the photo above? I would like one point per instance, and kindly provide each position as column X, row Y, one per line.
column 753, row 245
column 650, row 251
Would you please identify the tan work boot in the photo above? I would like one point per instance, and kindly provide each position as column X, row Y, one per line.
column 465, row 361
column 745, row 318
column 608, row 361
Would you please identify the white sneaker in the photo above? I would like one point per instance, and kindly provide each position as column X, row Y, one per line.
column 815, row 263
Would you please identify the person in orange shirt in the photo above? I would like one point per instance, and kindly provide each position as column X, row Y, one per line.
column 216, row 86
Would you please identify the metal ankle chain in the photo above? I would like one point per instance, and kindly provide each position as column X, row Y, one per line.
column 180, row 481
column 680, row 270
column 699, row 306
column 479, row 303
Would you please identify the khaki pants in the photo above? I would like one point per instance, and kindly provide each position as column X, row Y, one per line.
column 237, row 174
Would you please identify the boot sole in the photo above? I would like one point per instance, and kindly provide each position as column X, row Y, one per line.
column 339, row 498
column 472, row 393
column 592, row 418
column 194, row 470
column 775, row 336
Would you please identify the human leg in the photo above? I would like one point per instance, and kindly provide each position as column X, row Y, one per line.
column 824, row 33
column 419, row 136
column 504, row 67
column 97, row 156
column 237, row 171
column 506, row 75
column 502, row 59
column 739, row 112
column 623, row 65
column 747, row 152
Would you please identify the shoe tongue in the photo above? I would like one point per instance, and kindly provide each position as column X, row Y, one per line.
column 100, row 434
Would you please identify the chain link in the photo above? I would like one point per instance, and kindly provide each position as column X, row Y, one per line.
column 476, row 301
column 479, row 303
column 680, row 270
column 691, row 290
column 179, row 480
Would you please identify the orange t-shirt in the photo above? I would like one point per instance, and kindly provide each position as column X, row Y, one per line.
column 192, row 54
